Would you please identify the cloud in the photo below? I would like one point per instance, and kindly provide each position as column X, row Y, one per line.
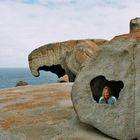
column 28, row 24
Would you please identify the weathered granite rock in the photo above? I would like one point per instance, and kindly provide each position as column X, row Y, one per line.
column 135, row 24
column 63, row 57
column 119, row 59
column 21, row 83
column 63, row 79
column 42, row 112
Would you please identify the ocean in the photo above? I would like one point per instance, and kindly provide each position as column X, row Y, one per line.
column 10, row 76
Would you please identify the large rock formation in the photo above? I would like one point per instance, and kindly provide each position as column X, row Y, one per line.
column 42, row 112
column 63, row 57
column 118, row 60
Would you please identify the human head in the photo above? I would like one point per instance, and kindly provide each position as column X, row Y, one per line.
column 106, row 93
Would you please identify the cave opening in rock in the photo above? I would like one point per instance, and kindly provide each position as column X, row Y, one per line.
column 98, row 83
column 57, row 69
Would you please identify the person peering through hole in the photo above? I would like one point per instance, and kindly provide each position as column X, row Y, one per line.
column 98, row 83
column 107, row 97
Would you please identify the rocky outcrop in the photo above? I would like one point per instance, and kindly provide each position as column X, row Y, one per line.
column 135, row 24
column 117, row 60
column 42, row 112
column 63, row 79
column 21, row 83
column 63, row 57
column 112, row 63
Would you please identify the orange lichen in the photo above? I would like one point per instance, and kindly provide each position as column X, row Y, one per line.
column 32, row 106
column 6, row 123
column 27, row 105
column 39, row 97
column 45, row 117
column 134, row 34
column 36, row 101
column 6, row 99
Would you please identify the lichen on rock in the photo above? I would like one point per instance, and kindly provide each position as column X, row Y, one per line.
column 42, row 112
column 63, row 57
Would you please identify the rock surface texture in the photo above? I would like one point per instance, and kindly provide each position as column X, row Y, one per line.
column 119, row 59
column 42, row 112
column 135, row 24
column 63, row 79
column 63, row 57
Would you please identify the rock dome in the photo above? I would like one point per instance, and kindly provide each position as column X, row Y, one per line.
column 116, row 60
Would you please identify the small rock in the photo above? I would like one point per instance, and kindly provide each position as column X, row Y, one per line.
column 64, row 78
column 21, row 83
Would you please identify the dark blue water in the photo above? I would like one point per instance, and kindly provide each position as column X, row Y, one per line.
column 10, row 76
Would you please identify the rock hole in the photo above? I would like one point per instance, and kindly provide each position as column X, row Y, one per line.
column 57, row 69
column 98, row 83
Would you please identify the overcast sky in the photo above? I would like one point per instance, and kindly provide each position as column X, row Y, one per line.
column 27, row 24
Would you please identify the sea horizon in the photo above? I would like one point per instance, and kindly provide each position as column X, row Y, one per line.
column 10, row 76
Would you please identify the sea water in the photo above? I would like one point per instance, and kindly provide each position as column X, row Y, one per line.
column 10, row 76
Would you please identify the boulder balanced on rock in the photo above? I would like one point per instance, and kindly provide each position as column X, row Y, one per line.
column 117, row 60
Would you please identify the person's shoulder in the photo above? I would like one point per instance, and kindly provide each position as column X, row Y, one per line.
column 101, row 98
column 113, row 97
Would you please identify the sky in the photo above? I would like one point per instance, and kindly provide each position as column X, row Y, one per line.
column 28, row 24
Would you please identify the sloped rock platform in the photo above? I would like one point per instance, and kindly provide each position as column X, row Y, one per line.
column 42, row 112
